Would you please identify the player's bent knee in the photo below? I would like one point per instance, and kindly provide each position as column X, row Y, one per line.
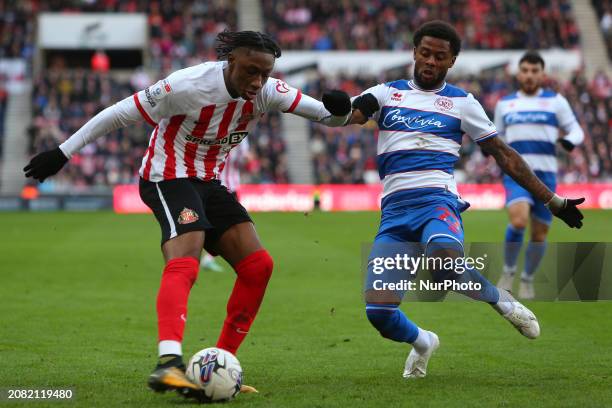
column 185, row 245
column 256, row 268
column 519, row 223
column 185, row 266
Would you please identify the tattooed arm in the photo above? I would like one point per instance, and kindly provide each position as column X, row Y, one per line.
column 513, row 165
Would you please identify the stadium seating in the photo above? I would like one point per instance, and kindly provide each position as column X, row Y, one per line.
column 604, row 13
column 182, row 33
column 3, row 100
column 389, row 24
column 60, row 109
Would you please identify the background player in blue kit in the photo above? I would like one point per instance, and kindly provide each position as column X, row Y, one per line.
column 421, row 124
column 530, row 120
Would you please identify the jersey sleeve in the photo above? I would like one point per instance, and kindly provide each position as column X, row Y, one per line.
column 498, row 120
column 567, row 121
column 161, row 100
column 278, row 96
column 475, row 122
column 381, row 93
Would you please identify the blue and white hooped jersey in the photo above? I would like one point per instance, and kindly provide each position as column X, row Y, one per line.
column 530, row 125
column 420, row 134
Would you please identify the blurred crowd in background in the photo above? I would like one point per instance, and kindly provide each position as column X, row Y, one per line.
column 389, row 24
column 64, row 100
column 182, row 33
column 603, row 8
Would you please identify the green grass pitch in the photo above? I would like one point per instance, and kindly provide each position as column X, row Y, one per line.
column 78, row 291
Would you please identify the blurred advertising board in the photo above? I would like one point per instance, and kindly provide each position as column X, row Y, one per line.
column 359, row 197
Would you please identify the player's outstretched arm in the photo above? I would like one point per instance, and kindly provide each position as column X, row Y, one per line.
column 334, row 110
column 48, row 163
column 513, row 165
column 364, row 106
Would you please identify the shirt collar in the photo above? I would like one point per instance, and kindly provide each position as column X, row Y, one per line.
column 415, row 86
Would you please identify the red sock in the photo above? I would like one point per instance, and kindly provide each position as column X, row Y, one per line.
column 253, row 272
column 179, row 276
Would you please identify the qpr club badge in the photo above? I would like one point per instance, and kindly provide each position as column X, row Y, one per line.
column 444, row 104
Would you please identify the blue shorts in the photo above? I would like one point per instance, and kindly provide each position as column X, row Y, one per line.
column 410, row 220
column 515, row 193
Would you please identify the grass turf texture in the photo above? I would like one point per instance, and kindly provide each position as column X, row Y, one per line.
column 78, row 310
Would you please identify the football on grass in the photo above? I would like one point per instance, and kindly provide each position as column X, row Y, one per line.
column 218, row 372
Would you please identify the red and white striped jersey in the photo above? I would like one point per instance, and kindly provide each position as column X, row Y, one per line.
column 197, row 122
column 230, row 176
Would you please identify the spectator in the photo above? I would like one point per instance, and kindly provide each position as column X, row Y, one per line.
column 603, row 8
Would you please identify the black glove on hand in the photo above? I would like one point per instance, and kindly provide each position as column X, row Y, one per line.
column 45, row 164
column 367, row 104
column 567, row 210
column 566, row 144
column 337, row 102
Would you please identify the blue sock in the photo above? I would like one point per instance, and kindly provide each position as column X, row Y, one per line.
column 514, row 241
column 487, row 293
column 391, row 322
column 533, row 257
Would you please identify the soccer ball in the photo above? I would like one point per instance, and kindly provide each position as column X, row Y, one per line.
column 218, row 372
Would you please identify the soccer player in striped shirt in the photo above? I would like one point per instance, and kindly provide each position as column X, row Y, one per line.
column 530, row 120
column 199, row 114
column 421, row 125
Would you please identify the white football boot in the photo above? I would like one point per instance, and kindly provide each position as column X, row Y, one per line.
column 210, row 264
column 519, row 316
column 416, row 363
column 506, row 279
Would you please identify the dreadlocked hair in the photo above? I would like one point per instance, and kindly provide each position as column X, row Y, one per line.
column 227, row 41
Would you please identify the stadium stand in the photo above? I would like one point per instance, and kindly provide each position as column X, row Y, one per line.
column 389, row 24
column 604, row 13
column 182, row 33
column 3, row 100
column 64, row 101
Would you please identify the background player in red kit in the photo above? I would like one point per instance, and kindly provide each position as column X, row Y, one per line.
column 230, row 178
column 199, row 114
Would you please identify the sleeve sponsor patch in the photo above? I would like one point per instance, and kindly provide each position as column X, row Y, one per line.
column 156, row 92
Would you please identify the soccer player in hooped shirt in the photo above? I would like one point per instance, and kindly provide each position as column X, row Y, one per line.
column 530, row 120
column 421, row 123
column 199, row 114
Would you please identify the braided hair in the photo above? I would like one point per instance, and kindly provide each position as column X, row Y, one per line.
column 227, row 41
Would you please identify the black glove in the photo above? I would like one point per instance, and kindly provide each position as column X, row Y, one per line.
column 566, row 144
column 367, row 104
column 337, row 102
column 45, row 164
column 567, row 210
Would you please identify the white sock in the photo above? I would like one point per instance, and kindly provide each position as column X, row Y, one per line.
column 510, row 270
column 170, row 347
column 505, row 303
column 422, row 342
